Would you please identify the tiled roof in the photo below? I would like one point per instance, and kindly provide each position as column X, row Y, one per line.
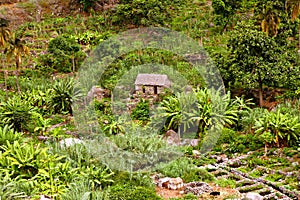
column 152, row 79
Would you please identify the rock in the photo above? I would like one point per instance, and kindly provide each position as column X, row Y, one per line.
column 235, row 164
column 163, row 182
column 69, row 142
column 170, row 183
column 194, row 142
column 43, row 138
column 188, row 89
column 197, row 188
column 210, row 167
column 175, row 183
column 294, row 164
column 96, row 92
column 196, row 153
column 252, row 196
column 189, row 142
column 172, row 137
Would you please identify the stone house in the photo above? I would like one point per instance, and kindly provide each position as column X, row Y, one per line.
column 151, row 84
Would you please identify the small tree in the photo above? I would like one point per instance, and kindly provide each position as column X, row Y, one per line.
column 4, row 38
column 225, row 10
column 256, row 59
column 16, row 48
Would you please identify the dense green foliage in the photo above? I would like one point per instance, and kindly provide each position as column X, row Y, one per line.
column 253, row 43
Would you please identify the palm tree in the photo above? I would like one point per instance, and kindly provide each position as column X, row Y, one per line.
column 15, row 49
column 270, row 19
column 293, row 6
column 4, row 32
column 4, row 37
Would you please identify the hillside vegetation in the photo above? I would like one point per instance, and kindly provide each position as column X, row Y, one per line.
column 44, row 44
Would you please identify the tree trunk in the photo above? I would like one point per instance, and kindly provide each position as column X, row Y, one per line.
column 73, row 63
column 260, row 93
column 5, row 83
column 17, row 74
column 299, row 40
column 266, row 150
column 5, row 80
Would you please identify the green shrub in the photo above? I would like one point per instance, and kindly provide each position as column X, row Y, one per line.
column 222, row 182
column 141, row 111
column 17, row 113
column 126, row 192
column 65, row 55
column 8, row 134
column 8, row 189
column 249, row 118
column 227, row 136
column 198, row 175
column 283, row 126
column 143, row 12
column 177, row 168
column 133, row 179
column 63, row 95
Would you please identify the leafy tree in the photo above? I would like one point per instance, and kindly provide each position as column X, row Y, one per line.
column 16, row 48
column 256, row 59
column 65, row 54
column 269, row 14
column 145, row 12
column 225, row 11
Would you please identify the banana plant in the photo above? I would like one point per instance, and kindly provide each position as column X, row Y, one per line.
column 8, row 134
column 98, row 177
column 42, row 124
column 284, row 127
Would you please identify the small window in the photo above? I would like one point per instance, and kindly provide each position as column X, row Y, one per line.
column 144, row 89
column 155, row 89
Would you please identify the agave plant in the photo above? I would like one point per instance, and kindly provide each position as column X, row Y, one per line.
column 17, row 113
column 63, row 96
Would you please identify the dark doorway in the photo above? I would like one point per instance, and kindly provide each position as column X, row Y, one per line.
column 155, row 89
column 144, row 90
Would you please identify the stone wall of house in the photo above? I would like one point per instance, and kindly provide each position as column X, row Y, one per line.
column 148, row 89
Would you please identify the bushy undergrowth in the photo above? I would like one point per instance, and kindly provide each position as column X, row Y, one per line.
column 185, row 169
column 29, row 168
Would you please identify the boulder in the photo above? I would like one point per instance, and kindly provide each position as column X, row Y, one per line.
column 197, row 188
column 196, row 153
column 172, row 137
column 175, row 183
column 170, row 183
column 190, row 142
column 97, row 92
